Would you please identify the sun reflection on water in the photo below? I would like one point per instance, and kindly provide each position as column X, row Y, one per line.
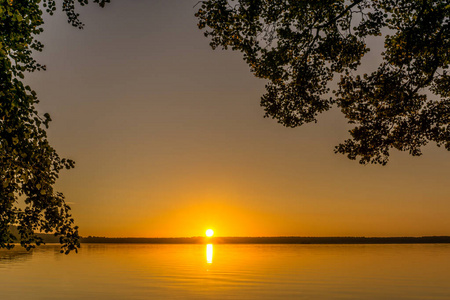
column 209, row 253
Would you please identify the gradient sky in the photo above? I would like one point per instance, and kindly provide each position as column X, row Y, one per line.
column 169, row 140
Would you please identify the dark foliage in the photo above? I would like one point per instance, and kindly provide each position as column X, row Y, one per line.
column 300, row 47
column 29, row 166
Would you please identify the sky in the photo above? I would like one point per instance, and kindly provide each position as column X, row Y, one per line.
column 169, row 140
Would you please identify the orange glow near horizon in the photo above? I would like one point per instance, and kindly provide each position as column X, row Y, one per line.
column 171, row 141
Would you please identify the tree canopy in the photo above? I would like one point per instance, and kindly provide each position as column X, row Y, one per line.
column 304, row 48
column 29, row 165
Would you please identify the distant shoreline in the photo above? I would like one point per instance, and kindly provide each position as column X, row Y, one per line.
column 271, row 240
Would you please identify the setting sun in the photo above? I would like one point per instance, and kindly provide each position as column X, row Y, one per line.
column 209, row 233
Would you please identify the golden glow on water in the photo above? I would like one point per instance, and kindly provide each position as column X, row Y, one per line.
column 239, row 271
column 209, row 253
column 209, row 233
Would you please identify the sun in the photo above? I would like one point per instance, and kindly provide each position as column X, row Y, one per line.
column 209, row 233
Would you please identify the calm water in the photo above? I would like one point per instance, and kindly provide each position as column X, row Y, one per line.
column 228, row 272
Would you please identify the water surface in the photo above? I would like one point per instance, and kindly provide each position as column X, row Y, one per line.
column 144, row 271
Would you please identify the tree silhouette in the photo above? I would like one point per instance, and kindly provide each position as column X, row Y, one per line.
column 29, row 166
column 301, row 47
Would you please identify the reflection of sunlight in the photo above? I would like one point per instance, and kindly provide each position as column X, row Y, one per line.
column 209, row 253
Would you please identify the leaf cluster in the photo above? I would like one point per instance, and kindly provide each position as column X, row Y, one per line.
column 29, row 165
column 302, row 47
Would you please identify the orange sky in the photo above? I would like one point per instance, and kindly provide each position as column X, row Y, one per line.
column 169, row 140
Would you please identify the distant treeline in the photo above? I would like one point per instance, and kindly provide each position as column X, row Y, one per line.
column 272, row 240
column 50, row 238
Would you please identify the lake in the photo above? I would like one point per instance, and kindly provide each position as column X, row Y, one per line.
column 149, row 271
